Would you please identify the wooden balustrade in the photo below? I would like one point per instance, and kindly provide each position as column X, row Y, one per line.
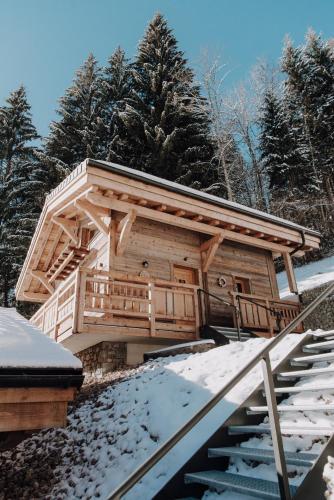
column 258, row 313
column 93, row 299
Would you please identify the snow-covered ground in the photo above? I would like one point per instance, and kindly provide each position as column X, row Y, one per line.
column 107, row 438
column 329, row 478
column 22, row 345
column 308, row 276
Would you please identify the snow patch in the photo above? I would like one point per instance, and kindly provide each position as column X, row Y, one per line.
column 309, row 276
column 22, row 345
column 108, row 438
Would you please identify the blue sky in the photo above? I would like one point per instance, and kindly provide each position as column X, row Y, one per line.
column 43, row 42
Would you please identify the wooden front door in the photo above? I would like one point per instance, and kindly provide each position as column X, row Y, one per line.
column 185, row 275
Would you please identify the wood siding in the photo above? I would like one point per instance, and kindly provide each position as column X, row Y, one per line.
column 233, row 259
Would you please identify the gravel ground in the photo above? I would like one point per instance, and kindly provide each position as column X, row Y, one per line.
column 28, row 470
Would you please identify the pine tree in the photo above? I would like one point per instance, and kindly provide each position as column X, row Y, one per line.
column 20, row 189
column 79, row 132
column 309, row 93
column 165, row 127
column 275, row 142
column 116, row 87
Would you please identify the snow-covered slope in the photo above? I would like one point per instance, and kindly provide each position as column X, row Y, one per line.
column 107, row 438
column 22, row 345
column 308, row 276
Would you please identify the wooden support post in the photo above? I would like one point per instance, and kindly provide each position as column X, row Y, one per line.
column 69, row 226
column 43, row 279
column 152, row 308
column 81, row 300
column 76, row 301
column 112, row 237
column 290, row 273
column 196, row 311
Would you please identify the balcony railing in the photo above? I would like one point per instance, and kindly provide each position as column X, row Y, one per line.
column 269, row 315
column 93, row 300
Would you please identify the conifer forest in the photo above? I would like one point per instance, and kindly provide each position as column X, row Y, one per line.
column 267, row 143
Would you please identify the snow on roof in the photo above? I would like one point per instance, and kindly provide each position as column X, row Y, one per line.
column 308, row 276
column 22, row 345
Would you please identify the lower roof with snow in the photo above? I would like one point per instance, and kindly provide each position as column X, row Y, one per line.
column 22, row 345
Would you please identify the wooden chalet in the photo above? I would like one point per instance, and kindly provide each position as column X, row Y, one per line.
column 119, row 255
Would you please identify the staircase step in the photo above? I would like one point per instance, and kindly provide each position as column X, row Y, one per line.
column 218, row 480
column 329, row 333
column 319, row 346
column 306, row 360
column 254, row 410
column 307, row 388
column 230, row 331
column 304, row 373
column 258, row 454
column 286, row 430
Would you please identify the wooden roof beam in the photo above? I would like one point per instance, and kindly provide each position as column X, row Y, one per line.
column 36, row 297
column 168, row 218
column 179, row 213
column 198, row 218
column 161, row 208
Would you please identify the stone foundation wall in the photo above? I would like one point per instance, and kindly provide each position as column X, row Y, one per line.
column 323, row 316
column 103, row 357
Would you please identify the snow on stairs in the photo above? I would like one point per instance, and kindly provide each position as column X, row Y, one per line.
column 301, row 459
column 258, row 487
column 218, row 480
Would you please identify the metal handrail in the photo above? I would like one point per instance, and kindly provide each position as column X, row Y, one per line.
column 236, row 309
column 262, row 356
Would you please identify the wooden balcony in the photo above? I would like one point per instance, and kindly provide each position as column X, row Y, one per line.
column 129, row 307
column 93, row 301
column 266, row 315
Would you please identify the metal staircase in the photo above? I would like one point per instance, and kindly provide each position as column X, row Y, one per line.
column 208, row 468
column 257, row 487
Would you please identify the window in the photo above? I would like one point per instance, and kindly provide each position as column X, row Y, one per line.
column 242, row 285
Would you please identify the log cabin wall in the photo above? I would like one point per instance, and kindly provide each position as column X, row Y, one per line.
column 164, row 246
column 160, row 245
column 235, row 260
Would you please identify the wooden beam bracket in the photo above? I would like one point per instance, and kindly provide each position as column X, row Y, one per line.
column 123, row 232
column 43, row 279
column 209, row 249
column 93, row 214
column 70, row 227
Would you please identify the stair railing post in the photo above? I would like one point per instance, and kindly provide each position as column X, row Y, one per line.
column 276, row 435
column 238, row 316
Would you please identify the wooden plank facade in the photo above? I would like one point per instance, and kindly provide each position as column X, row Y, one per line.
column 121, row 255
